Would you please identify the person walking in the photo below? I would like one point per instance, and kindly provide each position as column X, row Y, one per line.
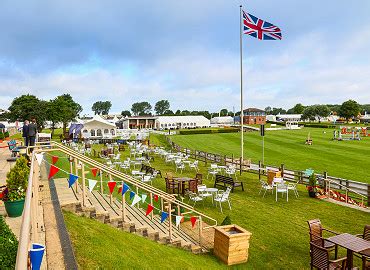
column 32, row 131
column 25, row 132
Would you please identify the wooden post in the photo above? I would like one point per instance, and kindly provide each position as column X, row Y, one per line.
column 151, row 202
column 368, row 194
column 101, row 182
column 200, row 230
column 123, row 205
column 282, row 170
column 170, row 221
column 225, row 160
column 325, row 174
column 83, row 184
column 240, row 164
column 259, row 169
column 34, row 204
column 161, row 204
column 76, row 173
column 111, row 194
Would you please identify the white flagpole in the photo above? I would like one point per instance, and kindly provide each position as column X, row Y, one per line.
column 241, row 85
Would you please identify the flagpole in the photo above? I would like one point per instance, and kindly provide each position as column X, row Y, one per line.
column 241, row 87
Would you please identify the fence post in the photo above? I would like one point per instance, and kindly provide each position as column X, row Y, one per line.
column 282, row 169
column 200, row 230
column 123, row 204
column 225, row 160
column 368, row 194
column 240, row 165
column 259, row 169
column 83, row 184
column 76, row 173
column 101, row 182
column 169, row 220
column 325, row 174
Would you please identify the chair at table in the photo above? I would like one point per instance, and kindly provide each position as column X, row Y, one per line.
column 223, row 197
column 320, row 258
column 202, row 192
column 316, row 236
column 294, row 188
column 266, row 187
column 366, row 254
column 194, row 165
column 194, row 197
column 281, row 188
column 172, row 186
column 213, row 170
column 199, row 178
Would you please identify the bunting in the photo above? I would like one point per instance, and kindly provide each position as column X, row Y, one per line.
column 53, row 171
column 39, row 158
column 92, row 184
column 164, row 216
column 156, row 197
column 94, row 171
column 72, row 179
column 193, row 220
column 149, row 209
column 54, row 159
column 111, row 185
column 179, row 219
column 119, row 189
column 143, row 198
column 136, row 199
column 125, row 188
column 132, row 194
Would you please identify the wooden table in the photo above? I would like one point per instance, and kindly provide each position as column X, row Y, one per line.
column 182, row 181
column 351, row 243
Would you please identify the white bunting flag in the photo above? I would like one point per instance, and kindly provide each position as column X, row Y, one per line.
column 143, row 197
column 178, row 220
column 92, row 184
column 39, row 158
column 136, row 199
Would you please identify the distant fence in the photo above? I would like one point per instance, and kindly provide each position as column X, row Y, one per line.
column 356, row 190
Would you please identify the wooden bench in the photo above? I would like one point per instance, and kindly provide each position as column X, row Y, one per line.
column 224, row 181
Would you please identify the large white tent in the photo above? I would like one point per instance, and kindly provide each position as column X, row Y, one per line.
column 98, row 128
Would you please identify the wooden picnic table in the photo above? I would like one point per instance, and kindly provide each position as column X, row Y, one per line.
column 352, row 243
column 182, row 184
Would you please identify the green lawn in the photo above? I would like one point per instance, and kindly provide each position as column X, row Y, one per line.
column 346, row 159
column 279, row 230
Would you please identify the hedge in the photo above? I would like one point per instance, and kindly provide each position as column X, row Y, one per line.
column 319, row 125
column 8, row 246
column 208, row 131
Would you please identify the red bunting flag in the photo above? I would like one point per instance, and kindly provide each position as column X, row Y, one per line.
column 149, row 209
column 156, row 197
column 53, row 171
column 119, row 189
column 54, row 159
column 193, row 220
column 111, row 186
column 94, row 171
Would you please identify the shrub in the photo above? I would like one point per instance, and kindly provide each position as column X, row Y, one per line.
column 226, row 221
column 16, row 181
column 8, row 246
column 6, row 134
column 2, row 136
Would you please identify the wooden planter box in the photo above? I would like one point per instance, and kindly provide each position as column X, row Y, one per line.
column 231, row 244
column 271, row 175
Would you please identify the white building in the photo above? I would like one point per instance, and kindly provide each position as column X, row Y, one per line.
column 174, row 122
column 98, row 128
column 222, row 121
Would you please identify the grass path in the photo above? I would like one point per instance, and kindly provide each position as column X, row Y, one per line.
column 346, row 159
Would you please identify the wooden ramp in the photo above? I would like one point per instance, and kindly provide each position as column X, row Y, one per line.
column 99, row 206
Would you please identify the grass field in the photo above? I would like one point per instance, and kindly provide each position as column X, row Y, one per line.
column 279, row 230
column 346, row 159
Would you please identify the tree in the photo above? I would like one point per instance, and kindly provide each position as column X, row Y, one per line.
column 224, row 112
column 178, row 112
column 26, row 107
column 63, row 109
column 141, row 108
column 298, row 108
column 276, row 111
column 161, row 106
column 185, row 112
column 126, row 113
column 309, row 113
column 349, row 109
column 322, row 111
column 365, row 108
column 268, row 110
column 168, row 112
column 101, row 107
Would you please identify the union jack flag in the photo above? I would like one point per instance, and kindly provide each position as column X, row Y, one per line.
column 259, row 28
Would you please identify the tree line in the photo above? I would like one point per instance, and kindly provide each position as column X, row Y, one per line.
column 348, row 109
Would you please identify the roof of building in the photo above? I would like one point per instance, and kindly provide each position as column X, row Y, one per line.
column 289, row 116
column 183, row 118
column 98, row 118
column 253, row 110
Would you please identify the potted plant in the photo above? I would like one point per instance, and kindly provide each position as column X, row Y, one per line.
column 6, row 135
column 312, row 186
column 1, row 136
column 16, row 186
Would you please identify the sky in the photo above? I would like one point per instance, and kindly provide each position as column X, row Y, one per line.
column 184, row 51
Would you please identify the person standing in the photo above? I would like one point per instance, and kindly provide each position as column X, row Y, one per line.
column 25, row 132
column 32, row 131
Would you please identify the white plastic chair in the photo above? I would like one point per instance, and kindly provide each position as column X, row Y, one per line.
column 231, row 171
column 213, row 170
column 281, row 188
column 194, row 165
column 194, row 197
column 180, row 166
column 266, row 187
column 147, row 179
column 294, row 188
column 223, row 197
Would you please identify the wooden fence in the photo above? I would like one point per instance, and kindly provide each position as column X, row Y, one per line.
column 353, row 188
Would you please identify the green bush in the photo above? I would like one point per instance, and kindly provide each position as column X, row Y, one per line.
column 208, row 131
column 318, row 125
column 16, row 180
column 6, row 134
column 2, row 136
column 8, row 246
column 226, row 221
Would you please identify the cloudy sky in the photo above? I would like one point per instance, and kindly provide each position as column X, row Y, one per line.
column 184, row 51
